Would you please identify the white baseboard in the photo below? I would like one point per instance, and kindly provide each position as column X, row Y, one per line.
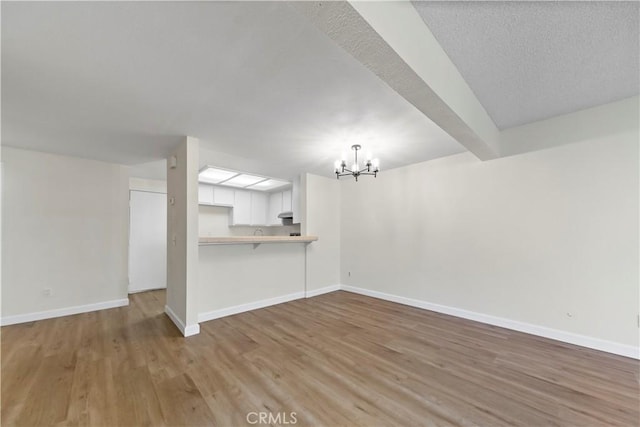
column 137, row 291
column 186, row 331
column 223, row 312
column 320, row 291
column 554, row 334
column 67, row 311
column 191, row 330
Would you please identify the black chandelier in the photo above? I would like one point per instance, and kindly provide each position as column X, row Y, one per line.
column 371, row 166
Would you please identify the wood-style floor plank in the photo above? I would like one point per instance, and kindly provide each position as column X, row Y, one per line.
column 338, row 359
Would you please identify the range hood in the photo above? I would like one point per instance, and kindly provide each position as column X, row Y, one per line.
column 286, row 214
column 287, row 217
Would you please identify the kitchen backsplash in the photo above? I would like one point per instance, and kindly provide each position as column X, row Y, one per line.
column 214, row 222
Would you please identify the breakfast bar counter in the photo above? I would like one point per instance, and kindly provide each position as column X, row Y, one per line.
column 256, row 240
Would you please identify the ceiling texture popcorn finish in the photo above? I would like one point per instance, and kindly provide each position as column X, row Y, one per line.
column 278, row 88
column 123, row 82
column 528, row 61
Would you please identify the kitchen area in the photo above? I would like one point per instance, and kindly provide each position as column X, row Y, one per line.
column 239, row 240
column 251, row 249
column 269, row 207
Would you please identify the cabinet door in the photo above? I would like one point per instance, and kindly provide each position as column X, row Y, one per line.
column 242, row 208
column 286, row 201
column 223, row 196
column 275, row 207
column 258, row 208
column 205, row 194
column 295, row 200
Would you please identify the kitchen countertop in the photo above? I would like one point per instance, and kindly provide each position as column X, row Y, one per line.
column 256, row 240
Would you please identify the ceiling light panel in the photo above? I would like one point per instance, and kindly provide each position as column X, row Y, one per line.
column 214, row 175
column 269, row 184
column 244, row 180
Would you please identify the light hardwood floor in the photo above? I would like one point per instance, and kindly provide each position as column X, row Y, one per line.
column 336, row 359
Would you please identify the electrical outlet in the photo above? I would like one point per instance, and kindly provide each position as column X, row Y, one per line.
column 46, row 292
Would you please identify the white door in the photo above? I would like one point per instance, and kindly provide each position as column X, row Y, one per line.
column 147, row 241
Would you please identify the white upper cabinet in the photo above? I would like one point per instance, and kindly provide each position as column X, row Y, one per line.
column 241, row 212
column 295, row 200
column 214, row 195
column 205, row 194
column 275, row 207
column 280, row 201
column 258, row 208
column 286, row 201
column 249, row 208
column 223, row 196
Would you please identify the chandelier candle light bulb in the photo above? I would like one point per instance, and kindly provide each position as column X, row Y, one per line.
column 337, row 165
column 371, row 167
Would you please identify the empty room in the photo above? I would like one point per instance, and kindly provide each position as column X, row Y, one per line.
column 320, row 213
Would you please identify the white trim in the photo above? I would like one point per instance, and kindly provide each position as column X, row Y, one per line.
column 148, row 185
column 186, row 331
column 59, row 312
column 191, row 330
column 320, row 291
column 216, row 314
column 554, row 334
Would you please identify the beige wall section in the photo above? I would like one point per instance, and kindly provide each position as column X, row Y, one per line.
column 64, row 228
column 214, row 222
column 1, row 222
column 320, row 199
column 235, row 275
column 182, row 238
column 548, row 238
column 615, row 118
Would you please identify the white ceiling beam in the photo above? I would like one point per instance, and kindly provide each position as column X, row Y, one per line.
column 391, row 40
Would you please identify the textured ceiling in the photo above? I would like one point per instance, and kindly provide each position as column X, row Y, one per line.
column 124, row 81
column 528, row 61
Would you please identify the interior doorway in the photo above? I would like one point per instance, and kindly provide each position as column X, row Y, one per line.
column 147, row 241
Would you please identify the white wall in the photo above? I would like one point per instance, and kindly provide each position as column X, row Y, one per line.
column 237, row 275
column 602, row 121
column 548, row 238
column 213, row 221
column 64, row 228
column 320, row 201
column 143, row 184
